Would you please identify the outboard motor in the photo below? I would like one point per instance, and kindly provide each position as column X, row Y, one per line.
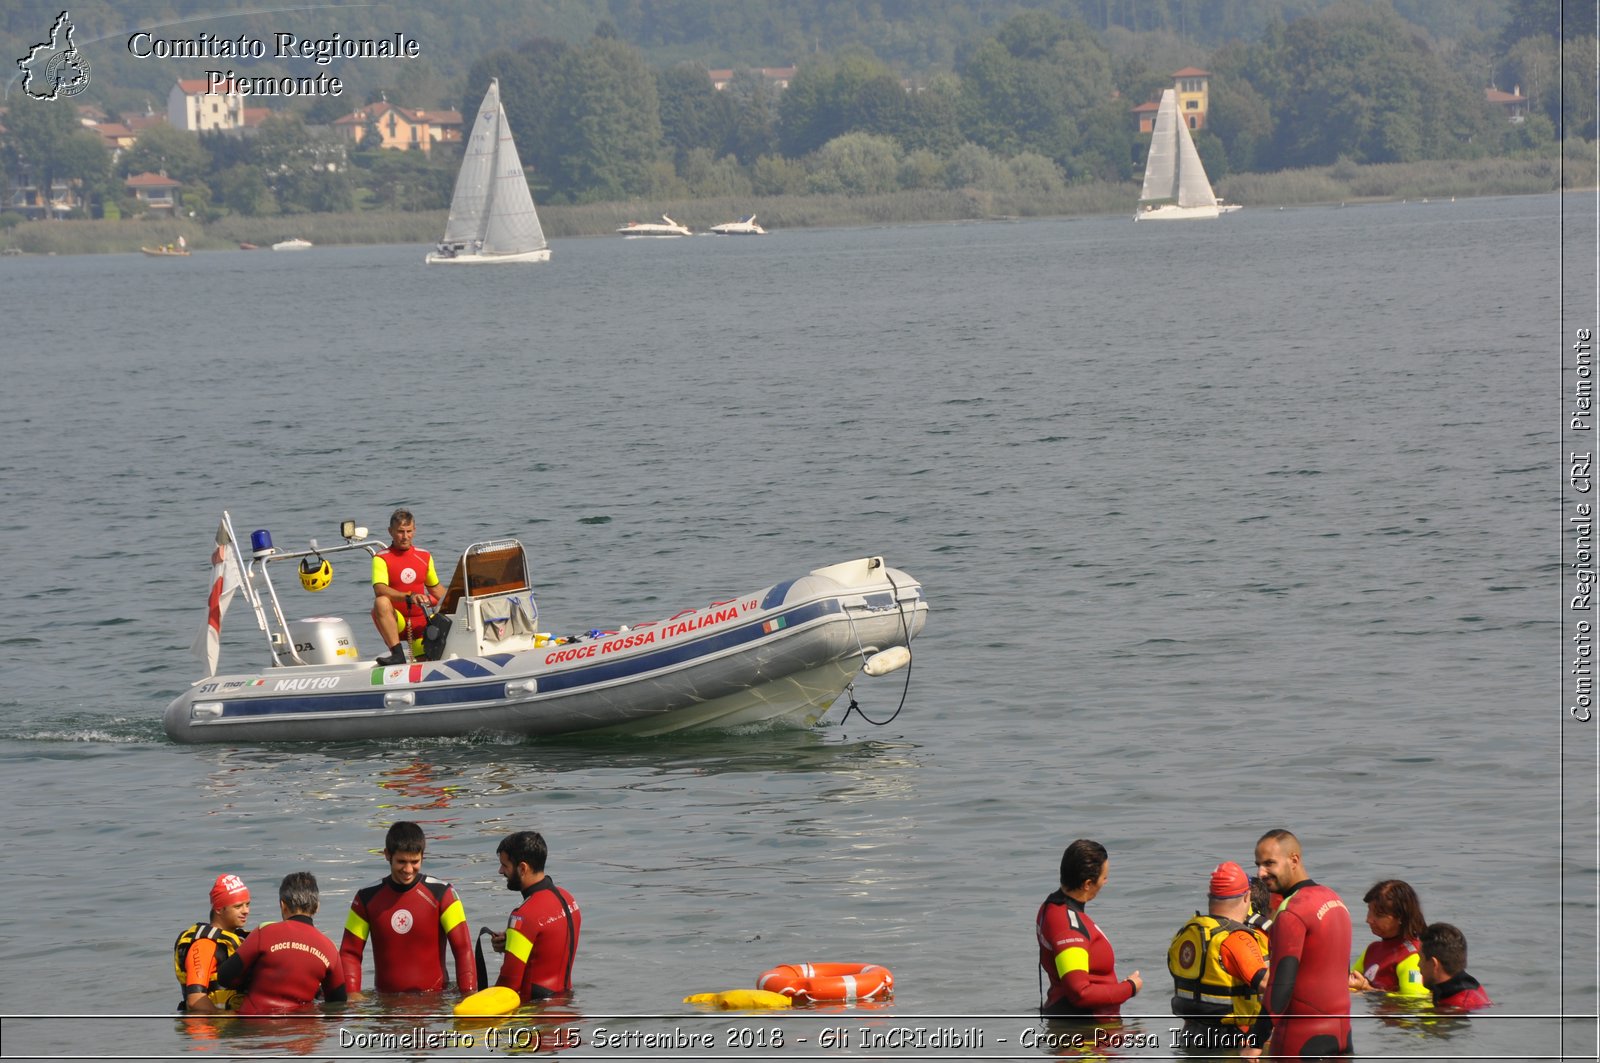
column 321, row 640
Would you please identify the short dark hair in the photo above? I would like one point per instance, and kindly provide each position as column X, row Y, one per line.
column 1394, row 897
column 1081, row 862
column 1282, row 837
column 405, row 837
column 524, row 847
column 401, row 516
column 1446, row 944
column 298, row 892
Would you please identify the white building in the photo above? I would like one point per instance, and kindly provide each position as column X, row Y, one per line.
column 191, row 107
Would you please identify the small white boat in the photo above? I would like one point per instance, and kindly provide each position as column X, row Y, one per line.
column 296, row 244
column 1175, row 184
column 665, row 227
column 780, row 655
column 743, row 227
column 492, row 217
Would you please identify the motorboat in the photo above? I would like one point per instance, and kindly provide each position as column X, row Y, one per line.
column 743, row 227
column 492, row 217
column 296, row 244
column 166, row 251
column 776, row 656
column 665, row 227
column 1175, row 184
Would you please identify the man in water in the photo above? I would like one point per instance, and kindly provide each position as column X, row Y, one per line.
column 410, row 917
column 1308, row 996
column 541, row 937
column 283, row 966
column 199, row 950
column 1444, row 969
column 403, row 580
column 1217, row 966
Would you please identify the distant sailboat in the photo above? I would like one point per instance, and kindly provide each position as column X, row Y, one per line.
column 1175, row 183
column 492, row 218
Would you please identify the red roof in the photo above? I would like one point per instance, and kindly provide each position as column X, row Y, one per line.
column 1497, row 96
column 1151, row 106
column 1191, row 72
column 201, row 86
column 152, row 180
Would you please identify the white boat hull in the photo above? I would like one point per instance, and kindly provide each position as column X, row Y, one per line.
column 1173, row 212
column 434, row 258
column 780, row 656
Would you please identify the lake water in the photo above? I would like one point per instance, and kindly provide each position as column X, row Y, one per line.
column 1224, row 527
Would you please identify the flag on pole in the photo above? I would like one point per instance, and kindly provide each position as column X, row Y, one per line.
column 224, row 581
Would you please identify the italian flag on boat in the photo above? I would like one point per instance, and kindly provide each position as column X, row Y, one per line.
column 400, row 673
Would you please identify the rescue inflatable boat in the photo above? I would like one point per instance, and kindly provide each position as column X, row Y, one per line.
column 779, row 655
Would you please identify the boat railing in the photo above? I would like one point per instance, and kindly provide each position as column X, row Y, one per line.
column 256, row 585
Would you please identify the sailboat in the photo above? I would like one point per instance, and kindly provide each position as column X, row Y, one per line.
column 491, row 214
column 1175, row 184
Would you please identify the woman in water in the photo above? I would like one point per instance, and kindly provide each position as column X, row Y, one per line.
column 1076, row 956
column 1392, row 964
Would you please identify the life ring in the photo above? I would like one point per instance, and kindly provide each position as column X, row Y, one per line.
column 829, row 982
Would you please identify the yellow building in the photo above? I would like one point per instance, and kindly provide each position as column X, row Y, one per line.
column 402, row 128
column 1193, row 87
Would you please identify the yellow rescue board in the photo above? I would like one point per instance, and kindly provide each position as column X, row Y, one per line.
column 741, row 998
column 496, row 1000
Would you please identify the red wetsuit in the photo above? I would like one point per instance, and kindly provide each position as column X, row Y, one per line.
column 1079, row 961
column 541, row 942
column 1308, row 987
column 1462, row 991
column 1379, row 960
column 410, row 572
column 282, row 966
column 408, row 926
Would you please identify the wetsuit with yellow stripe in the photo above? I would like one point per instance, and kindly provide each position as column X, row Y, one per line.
column 1079, row 961
column 195, row 957
column 410, row 572
column 408, row 927
column 1393, row 965
column 541, row 942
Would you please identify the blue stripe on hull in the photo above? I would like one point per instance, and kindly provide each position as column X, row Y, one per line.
column 432, row 696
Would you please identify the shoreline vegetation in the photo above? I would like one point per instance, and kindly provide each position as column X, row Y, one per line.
column 1343, row 182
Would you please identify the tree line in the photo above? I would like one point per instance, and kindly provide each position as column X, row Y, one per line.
column 1039, row 102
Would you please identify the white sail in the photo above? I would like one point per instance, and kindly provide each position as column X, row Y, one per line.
column 1175, row 183
column 492, row 217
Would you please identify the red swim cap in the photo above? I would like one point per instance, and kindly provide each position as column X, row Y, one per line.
column 1229, row 881
column 228, row 889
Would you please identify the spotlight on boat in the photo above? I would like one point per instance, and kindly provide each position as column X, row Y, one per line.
column 351, row 532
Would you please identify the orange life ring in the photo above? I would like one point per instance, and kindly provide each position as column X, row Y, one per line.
column 829, row 982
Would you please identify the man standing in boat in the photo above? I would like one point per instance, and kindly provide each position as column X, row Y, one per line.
column 403, row 581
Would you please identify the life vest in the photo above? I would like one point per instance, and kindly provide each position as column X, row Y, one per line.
column 227, row 944
column 1202, row 987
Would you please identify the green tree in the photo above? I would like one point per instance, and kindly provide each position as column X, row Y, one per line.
column 44, row 143
column 534, row 89
column 613, row 119
column 694, row 115
column 828, row 98
column 754, row 106
column 305, row 170
column 856, row 164
column 163, row 149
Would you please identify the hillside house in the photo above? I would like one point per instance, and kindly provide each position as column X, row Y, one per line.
column 401, row 128
column 156, row 192
column 190, row 107
column 1193, row 87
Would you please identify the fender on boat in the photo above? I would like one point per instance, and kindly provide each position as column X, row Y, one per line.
column 829, row 982
column 890, row 660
